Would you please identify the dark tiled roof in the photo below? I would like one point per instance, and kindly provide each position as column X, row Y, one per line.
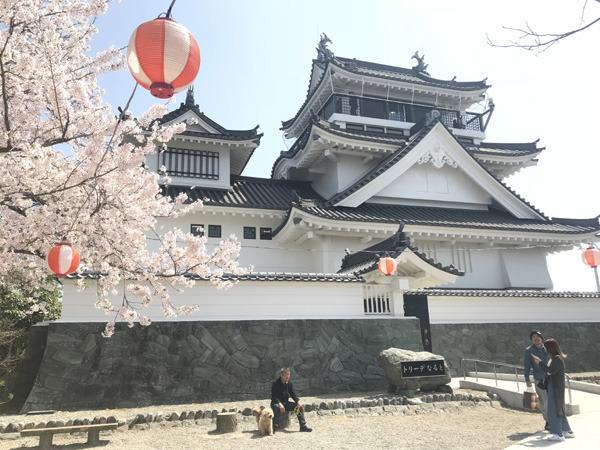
column 249, row 192
column 394, row 72
column 446, row 217
column 506, row 149
column 504, row 293
column 383, row 166
column 365, row 136
column 266, row 193
column 366, row 260
column 260, row 276
column 189, row 105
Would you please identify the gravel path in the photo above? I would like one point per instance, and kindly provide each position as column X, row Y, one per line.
column 479, row 426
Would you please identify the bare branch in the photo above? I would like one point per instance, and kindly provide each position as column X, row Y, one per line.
column 529, row 39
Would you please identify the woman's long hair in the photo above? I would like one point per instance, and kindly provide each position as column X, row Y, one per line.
column 553, row 348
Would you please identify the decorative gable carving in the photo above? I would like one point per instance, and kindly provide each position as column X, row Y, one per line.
column 437, row 157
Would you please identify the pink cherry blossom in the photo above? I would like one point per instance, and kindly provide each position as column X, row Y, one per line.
column 71, row 169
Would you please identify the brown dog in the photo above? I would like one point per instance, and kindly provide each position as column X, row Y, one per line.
column 264, row 420
column 256, row 413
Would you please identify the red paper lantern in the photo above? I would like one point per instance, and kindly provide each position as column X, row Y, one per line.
column 63, row 259
column 387, row 266
column 591, row 257
column 163, row 56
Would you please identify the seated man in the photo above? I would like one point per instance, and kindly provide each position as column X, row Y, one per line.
column 281, row 391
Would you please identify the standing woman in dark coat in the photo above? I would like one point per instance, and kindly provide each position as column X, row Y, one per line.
column 555, row 370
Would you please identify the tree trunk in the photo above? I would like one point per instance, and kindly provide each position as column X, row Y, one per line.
column 227, row 422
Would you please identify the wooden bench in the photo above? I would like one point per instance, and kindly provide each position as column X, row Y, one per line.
column 46, row 434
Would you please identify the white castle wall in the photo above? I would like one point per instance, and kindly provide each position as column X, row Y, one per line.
column 456, row 309
column 245, row 301
column 485, row 268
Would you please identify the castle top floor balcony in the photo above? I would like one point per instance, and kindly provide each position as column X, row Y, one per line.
column 393, row 115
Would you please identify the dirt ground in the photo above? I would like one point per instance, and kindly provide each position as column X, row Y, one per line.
column 462, row 427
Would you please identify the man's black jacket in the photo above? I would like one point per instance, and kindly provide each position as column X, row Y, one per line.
column 280, row 392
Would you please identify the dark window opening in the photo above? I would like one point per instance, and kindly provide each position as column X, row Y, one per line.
column 182, row 162
column 266, row 234
column 249, row 232
column 374, row 108
column 355, row 127
column 197, row 229
column 374, row 129
column 214, row 231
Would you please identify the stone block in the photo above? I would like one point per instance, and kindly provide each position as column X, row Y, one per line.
column 163, row 340
column 246, row 360
column 336, row 365
column 391, row 361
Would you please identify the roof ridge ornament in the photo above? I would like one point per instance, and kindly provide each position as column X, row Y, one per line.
column 421, row 67
column 323, row 53
column 189, row 97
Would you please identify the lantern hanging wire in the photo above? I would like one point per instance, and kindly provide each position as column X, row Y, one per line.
column 168, row 13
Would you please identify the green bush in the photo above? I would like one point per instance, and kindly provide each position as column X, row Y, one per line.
column 16, row 317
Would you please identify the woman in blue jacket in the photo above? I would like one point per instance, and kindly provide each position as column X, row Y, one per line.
column 555, row 371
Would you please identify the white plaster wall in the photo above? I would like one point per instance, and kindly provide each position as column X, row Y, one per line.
column 224, row 165
column 351, row 169
column 248, row 300
column 426, row 182
column 326, row 184
column 489, row 268
column 456, row 309
column 526, row 268
column 263, row 255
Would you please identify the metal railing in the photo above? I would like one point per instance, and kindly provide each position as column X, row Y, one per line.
column 392, row 110
column 495, row 364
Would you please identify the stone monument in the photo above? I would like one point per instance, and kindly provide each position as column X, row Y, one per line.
column 407, row 372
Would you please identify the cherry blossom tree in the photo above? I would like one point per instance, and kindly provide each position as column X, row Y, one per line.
column 71, row 169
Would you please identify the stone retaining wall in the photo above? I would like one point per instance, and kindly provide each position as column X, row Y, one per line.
column 506, row 342
column 185, row 362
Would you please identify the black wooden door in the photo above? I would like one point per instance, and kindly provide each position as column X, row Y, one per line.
column 417, row 306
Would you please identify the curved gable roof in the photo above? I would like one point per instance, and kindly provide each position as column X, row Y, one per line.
column 390, row 161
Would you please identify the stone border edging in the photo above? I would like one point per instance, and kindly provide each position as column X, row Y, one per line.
column 317, row 408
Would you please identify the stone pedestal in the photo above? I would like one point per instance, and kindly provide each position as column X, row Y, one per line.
column 227, row 422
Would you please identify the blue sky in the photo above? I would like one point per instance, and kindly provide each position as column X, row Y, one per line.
column 256, row 58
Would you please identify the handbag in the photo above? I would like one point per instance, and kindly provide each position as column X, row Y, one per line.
column 543, row 384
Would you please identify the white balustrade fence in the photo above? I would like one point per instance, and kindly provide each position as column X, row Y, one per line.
column 377, row 299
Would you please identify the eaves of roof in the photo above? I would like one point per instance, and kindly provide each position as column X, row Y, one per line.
column 418, row 77
column 504, row 293
column 257, row 276
column 367, row 259
column 364, row 136
column 188, row 106
column 445, row 217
